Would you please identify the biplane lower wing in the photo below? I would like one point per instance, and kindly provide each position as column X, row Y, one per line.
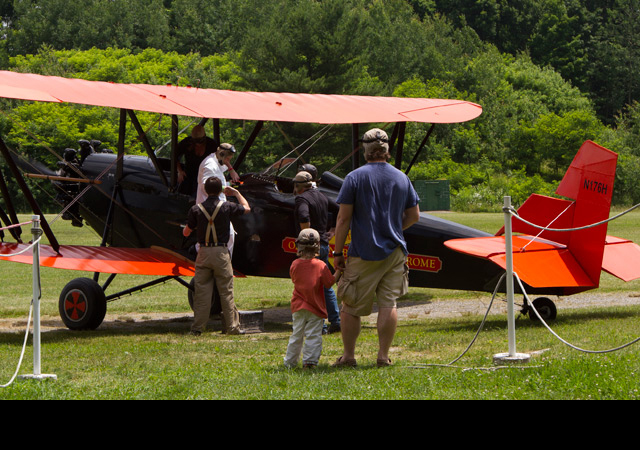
column 112, row 260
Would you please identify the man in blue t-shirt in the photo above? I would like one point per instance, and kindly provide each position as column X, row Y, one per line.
column 377, row 202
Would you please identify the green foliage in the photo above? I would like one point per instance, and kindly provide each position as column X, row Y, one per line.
column 533, row 121
column 550, row 143
column 82, row 24
column 481, row 187
column 592, row 44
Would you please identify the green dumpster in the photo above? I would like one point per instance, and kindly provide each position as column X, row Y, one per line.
column 434, row 195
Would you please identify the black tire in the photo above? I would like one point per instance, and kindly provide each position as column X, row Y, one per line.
column 545, row 307
column 82, row 304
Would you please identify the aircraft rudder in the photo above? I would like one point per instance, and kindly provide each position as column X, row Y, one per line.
column 590, row 181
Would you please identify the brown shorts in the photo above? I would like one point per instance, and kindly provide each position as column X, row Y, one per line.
column 365, row 281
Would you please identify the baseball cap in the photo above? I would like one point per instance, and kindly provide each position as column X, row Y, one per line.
column 309, row 237
column 375, row 139
column 228, row 147
column 303, row 177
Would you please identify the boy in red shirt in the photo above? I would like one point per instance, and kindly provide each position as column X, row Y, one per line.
column 310, row 276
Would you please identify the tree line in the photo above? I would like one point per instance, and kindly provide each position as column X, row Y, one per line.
column 549, row 75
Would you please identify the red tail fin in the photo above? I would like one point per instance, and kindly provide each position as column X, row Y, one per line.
column 589, row 181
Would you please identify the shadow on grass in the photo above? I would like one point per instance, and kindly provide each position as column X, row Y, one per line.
column 180, row 326
column 497, row 322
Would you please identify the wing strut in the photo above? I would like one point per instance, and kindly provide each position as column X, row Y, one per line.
column 147, row 146
column 15, row 232
column 424, row 142
column 398, row 135
column 174, row 151
column 27, row 193
column 355, row 145
column 247, row 145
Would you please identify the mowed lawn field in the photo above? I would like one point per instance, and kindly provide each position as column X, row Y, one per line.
column 157, row 359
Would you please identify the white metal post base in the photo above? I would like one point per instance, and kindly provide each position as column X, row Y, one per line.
column 516, row 358
column 38, row 377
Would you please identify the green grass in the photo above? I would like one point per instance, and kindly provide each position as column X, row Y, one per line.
column 158, row 360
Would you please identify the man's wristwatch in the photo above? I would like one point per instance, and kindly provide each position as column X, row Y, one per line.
column 337, row 254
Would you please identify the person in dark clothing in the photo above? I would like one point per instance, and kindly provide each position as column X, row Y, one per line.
column 211, row 220
column 312, row 209
column 193, row 149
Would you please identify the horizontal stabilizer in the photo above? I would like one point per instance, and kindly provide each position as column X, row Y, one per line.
column 129, row 261
column 622, row 259
column 540, row 264
column 488, row 247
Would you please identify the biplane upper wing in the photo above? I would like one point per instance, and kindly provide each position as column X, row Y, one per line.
column 222, row 104
column 205, row 103
column 116, row 260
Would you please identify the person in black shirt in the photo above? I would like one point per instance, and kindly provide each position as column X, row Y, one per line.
column 312, row 209
column 193, row 149
column 211, row 220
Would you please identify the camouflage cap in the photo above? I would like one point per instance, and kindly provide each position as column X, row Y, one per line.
column 303, row 177
column 308, row 237
column 375, row 139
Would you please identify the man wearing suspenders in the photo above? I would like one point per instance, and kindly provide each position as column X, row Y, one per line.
column 215, row 165
column 211, row 219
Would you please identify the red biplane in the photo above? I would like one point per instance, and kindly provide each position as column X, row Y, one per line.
column 132, row 201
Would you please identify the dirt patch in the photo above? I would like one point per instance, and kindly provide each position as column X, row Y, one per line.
column 406, row 311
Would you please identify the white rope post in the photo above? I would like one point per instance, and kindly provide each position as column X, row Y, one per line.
column 512, row 356
column 37, row 233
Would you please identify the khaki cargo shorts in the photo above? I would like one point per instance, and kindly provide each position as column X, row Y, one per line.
column 364, row 282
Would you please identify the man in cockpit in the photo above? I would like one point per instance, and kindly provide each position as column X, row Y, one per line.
column 194, row 149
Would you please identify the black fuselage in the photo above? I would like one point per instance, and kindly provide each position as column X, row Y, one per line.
column 147, row 213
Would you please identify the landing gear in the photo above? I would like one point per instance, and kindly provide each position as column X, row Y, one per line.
column 545, row 307
column 82, row 304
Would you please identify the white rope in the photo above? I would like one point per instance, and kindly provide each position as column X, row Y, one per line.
column 451, row 364
column 24, row 346
column 15, row 226
column 22, row 251
column 543, row 230
column 514, row 213
column 526, row 296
